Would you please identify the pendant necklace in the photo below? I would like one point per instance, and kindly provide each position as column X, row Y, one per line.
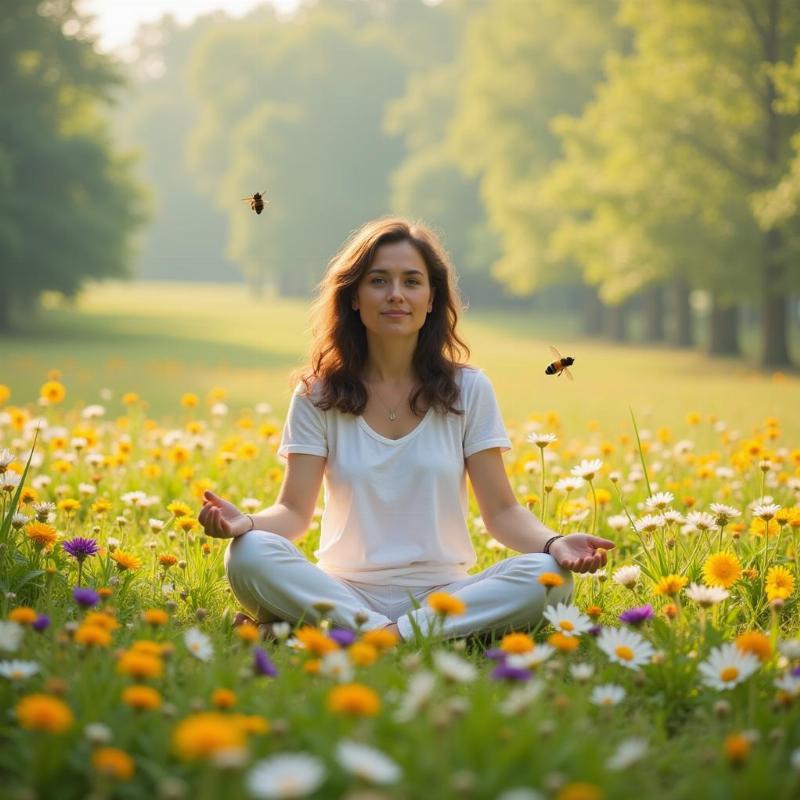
column 392, row 411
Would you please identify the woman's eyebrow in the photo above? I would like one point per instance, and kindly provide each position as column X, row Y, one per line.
column 405, row 272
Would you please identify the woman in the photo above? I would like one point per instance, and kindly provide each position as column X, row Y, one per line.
column 392, row 420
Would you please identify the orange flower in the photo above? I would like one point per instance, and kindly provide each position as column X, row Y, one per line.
column 737, row 748
column 551, row 580
column 42, row 712
column 315, row 640
column 142, row 698
column 41, row 534
column 155, row 617
column 593, row 611
column 139, row 665
column 204, row 735
column 446, row 604
column 126, row 561
column 354, row 699
column 22, row 615
column 92, row 636
column 516, row 643
column 380, row 638
column 248, row 632
column 223, row 698
column 561, row 642
column 362, row 654
column 113, row 762
column 756, row 643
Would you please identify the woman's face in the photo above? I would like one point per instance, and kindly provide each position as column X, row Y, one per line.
column 394, row 295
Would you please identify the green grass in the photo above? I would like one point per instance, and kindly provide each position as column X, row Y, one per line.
column 192, row 337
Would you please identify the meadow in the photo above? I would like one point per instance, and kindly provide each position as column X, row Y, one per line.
column 674, row 671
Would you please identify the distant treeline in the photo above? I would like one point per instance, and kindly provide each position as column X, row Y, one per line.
column 622, row 156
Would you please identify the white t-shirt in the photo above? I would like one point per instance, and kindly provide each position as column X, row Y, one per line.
column 395, row 509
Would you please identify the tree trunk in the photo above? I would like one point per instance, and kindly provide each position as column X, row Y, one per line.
column 684, row 322
column 654, row 314
column 592, row 312
column 723, row 337
column 616, row 322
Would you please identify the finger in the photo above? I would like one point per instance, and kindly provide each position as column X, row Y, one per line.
column 606, row 544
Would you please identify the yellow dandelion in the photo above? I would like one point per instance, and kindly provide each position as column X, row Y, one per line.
column 179, row 509
column 354, row 699
column 101, row 619
column 722, row 569
column 53, row 392
column 189, row 400
column 758, row 527
column 670, row 585
column 446, row 604
column 130, row 398
column 780, row 583
column 5, row 393
column 186, row 524
column 42, row 712
column 155, row 617
column 69, row 505
column 147, row 646
column 126, row 561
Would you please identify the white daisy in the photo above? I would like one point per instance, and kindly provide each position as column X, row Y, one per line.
column 542, row 439
column 93, row 412
column 587, row 469
column 702, row 521
column 11, row 634
column 16, row 670
column 6, row 458
column 418, row 692
column 649, row 523
column 673, row 516
column 766, row 511
column 789, row 648
column 608, row 694
column 794, row 759
column 568, row 484
column 97, row 733
column 286, row 775
column 789, row 683
column 337, row 664
column 367, row 763
column 581, row 672
column 706, row 596
column 454, row 668
column 724, row 513
column 628, row 752
column 625, row 647
column 727, row 666
column 567, row 619
column 532, row 658
column 198, row 644
column 628, row 576
column 617, row 522
column 659, row 501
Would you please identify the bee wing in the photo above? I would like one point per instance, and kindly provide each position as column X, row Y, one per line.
column 247, row 199
column 568, row 373
column 555, row 352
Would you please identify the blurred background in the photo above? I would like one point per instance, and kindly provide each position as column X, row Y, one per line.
column 621, row 171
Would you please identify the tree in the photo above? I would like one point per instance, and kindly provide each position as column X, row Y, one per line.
column 68, row 205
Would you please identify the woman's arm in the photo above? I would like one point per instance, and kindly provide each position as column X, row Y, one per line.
column 519, row 529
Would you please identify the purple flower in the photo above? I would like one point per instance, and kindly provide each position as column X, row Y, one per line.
column 85, row 597
column 595, row 630
column 496, row 654
column 262, row 664
column 502, row 672
column 41, row 623
column 342, row 637
column 636, row 616
column 796, row 672
column 80, row 548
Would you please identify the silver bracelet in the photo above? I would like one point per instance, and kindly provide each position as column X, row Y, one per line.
column 252, row 523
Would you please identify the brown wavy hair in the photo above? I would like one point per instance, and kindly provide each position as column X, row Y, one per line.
column 339, row 345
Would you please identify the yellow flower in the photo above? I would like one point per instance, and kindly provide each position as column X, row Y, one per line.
column 380, row 638
column 155, row 617
column 315, row 640
column 101, row 506
column 126, row 561
column 722, row 569
column 516, row 643
column 5, row 393
column 22, row 615
column 53, row 392
column 758, row 527
column 354, row 699
column 41, row 534
column 113, row 762
column 737, row 748
column 223, row 698
column 129, row 398
column 92, row 636
column 189, row 400
column 42, row 712
column 142, row 698
column 204, row 735
column 670, row 585
column 446, row 604
column 139, row 665
column 756, row 643
column 69, row 505
column 101, row 619
column 148, row 647
column 780, row 583
column 251, row 723
column 186, row 524
column 362, row 654
column 178, row 454
column 179, row 509
column 551, row 580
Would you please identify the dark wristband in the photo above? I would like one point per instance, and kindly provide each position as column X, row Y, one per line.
column 546, row 548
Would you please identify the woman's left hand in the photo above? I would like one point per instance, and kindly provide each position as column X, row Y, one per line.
column 580, row 552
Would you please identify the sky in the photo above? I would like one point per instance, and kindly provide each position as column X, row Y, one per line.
column 117, row 20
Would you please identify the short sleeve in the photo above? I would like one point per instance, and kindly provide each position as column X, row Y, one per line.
column 483, row 424
column 305, row 430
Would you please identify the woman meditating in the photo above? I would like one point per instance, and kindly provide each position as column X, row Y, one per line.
column 391, row 419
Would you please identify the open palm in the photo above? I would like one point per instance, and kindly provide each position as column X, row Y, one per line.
column 581, row 552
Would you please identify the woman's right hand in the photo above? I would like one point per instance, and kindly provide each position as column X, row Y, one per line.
column 221, row 519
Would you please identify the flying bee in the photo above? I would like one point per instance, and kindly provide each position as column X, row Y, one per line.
column 256, row 202
column 560, row 364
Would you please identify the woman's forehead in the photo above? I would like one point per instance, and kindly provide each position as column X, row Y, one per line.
column 398, row 257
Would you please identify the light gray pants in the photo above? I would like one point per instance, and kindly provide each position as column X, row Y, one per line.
column 273, row 580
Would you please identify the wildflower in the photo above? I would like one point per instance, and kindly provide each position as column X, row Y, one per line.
column 756, row 643
column 285, row 775
column 206, row 735
column 617, row 522
column 367, row 763
column 701, row 521
column 126, row 561
column 113, row 762
column 516, row 643
column 737, row 748
column 532, row 658
column 315, row 641
column 724, row 514
column 659, row 501
column 551, row 580
column 22, row 615
column 722, row 569
column 142, row 698
column 52, row 393
column 101, row 619
column 41, row 623
column 362, row 654
column 638, row 615
column 97, row 733
column 155, row 617
column 380, row 638
column 198, row 644
column 670, row 585
column 454, row 668
column 581, row 672
column 92, row 636
column 568, row 484
column 608, row 694
column 81, row 548
column 587, row 469
column 521, row 698
column 85, row 597
column 16, row 670
column 223, row 698
column 541, row 440
column 167, row 560
column 765, row 511
column 627, row 576
column 780, row 583
column 262, row 665
column 247, row 632
column 560, row 641
column 342, row 637
column 354, row 699
column 628, row 752
column 42, row 712
column 593, row 612
column 625, row 647
column 446, row 604
column 706, row 596
column 727, row 666
column 139, row 665
column 567, row 619
column 505, row 671
column 649, row 523
column 41, row 534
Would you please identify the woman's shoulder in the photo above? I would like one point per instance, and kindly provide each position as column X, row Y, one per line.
column 467, row 375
